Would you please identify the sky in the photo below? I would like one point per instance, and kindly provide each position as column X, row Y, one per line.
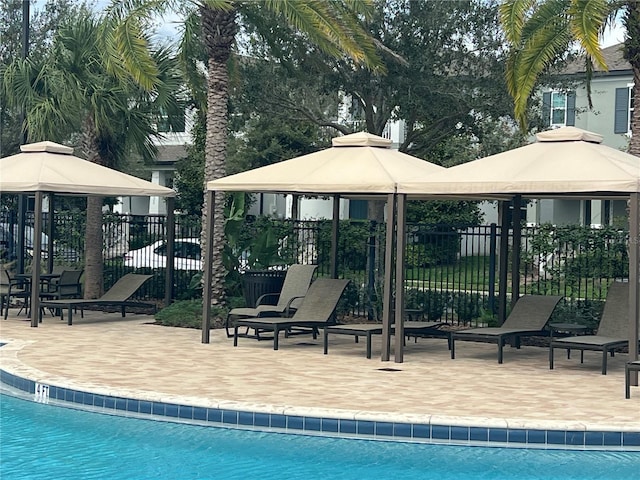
column 613, row 36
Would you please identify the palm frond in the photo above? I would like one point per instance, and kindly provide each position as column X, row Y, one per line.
column 512, row 17
column 588, row 18
column 545, row 13
column 193, row 58
column 127, row 52
column 332, row 26
column 537, row 54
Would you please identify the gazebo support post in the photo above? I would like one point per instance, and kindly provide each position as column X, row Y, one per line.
column 387, row 302
column 634, row 278
column 35, row 265
column 206, row 276
column 171, row 238
column 400, row 251
column 503, row 258
column 335, row 224
column 516, row 225
column 50, row 232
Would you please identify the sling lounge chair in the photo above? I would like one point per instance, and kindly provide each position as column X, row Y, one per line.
column 316, row 310
column 367, row 330
column 296, row 284
column 628, row 368
column 612, row 332
column 528, row 318
column 117, row 296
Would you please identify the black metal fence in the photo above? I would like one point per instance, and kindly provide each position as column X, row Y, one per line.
column 451, row 271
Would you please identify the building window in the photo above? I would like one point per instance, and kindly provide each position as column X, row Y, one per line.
column 559, row 109
column 173, row 121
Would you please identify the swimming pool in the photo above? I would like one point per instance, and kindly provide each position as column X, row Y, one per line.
column 44, row 441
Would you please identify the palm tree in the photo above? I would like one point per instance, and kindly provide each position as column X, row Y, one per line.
column 332, row 26
column 540, row 32
column 78, row 91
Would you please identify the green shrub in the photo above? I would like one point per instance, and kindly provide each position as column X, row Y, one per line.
column 584, row 312
column 188, row 314
column 467, row 306
column 431, row 302
column 352, row 249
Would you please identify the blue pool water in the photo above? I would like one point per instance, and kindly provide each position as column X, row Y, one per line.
column 47, row 442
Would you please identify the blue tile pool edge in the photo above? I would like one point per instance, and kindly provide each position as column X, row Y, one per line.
column 309, row 425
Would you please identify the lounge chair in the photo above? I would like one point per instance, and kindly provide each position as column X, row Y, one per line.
column 367, row 330
column 117, row 296
column 296, row 284
column 628, row 368
column 528, row 318
column 316, row 310
column 612, row 332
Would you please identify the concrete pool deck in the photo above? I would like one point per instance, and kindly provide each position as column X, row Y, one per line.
column 106, row 354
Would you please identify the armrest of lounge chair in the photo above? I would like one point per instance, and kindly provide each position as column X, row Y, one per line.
column 264, row 296
column 288, row 309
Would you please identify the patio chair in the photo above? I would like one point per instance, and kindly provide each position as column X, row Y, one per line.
column 11, row 287
column 612, row 332
column 117, row 296
column 66, row 286
column 628, row 368
column 316, row 310
column 296, row 284
column 529, row 317
column 367, row 330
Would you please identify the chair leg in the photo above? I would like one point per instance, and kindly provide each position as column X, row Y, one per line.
column 500, row 349
column 226, row 327
column 627, row 381
column 276, row 334
column 550, row 357
column 369, row 345
column 452, row 347
column 604, row 362
column 325, row 341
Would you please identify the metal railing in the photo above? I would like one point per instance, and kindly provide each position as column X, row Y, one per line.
column 451, row 270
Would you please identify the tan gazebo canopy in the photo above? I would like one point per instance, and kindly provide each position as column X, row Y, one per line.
column 360, row 163
column 47, row 167
column 357, row 165
column 51, row 167
column 567, row 160
column 564, row 162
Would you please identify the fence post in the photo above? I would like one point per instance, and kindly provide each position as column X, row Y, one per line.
column 493, row 232
column 171, row 238
column 503, row 260
column 516, row 225
column 371, row 265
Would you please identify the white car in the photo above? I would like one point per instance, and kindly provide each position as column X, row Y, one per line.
column 187, row 255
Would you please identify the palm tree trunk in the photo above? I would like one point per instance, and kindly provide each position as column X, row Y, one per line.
column 93, row 263
column 219, row 29
column 632, row 54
